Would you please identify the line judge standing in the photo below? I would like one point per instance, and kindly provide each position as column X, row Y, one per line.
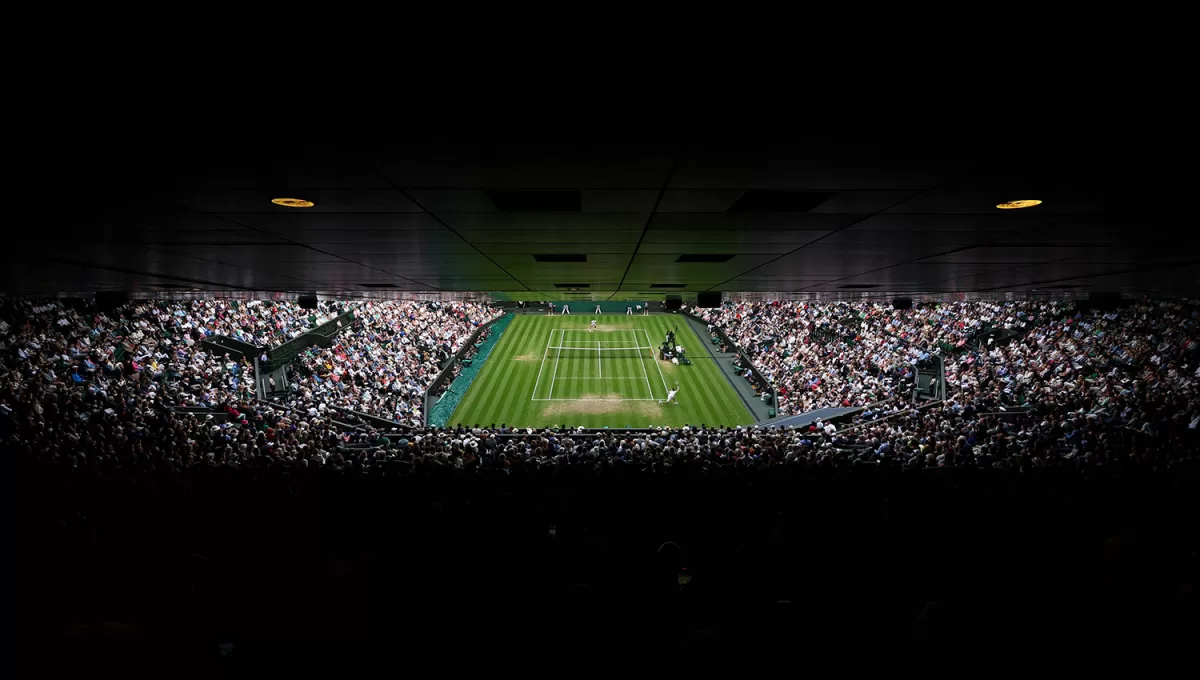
column 566, row 309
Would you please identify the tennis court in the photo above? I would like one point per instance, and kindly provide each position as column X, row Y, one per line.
column 605, row 365
column 551, row 370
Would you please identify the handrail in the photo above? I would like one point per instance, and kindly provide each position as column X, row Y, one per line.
column 238, row 349
column 1016, row 411
column 321, row 335
column 907, row 411
column 289, row 409
column 377, row 422
column 218, row 416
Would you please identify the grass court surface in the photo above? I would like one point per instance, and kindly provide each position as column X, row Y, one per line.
column 551, row 371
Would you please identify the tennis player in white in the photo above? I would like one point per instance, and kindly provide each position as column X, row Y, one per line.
column 671, row 396
column 593, row 326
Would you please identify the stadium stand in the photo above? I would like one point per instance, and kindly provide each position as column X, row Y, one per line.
column 1068, row 388
column 386, row 364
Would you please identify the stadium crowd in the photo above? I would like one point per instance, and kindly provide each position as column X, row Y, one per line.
column 135, row 386
column 819, row 355
column 134, row 390
column 384, row 365
column 1066, row 385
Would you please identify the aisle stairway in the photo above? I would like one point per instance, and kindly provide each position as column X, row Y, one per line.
column 282, row 382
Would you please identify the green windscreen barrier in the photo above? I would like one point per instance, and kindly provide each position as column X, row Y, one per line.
column 440, row 414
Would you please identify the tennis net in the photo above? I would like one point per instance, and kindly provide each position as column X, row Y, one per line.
column 601, row 352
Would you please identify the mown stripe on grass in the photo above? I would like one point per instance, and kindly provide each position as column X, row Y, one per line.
column 495, row 374
column 503, row 390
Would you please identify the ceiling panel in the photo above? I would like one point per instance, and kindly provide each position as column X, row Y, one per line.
column 1016, row 254
column 686, row 242
column 423, row 244
column 549, row 278
column 698, row 200
column 1018, row 277
column 788, row 278
column 1096, row 232
column 749, row 223
column 372, row 239
column 324, row 271
column 783, row 285
column 487, row 237
column 230, row 165
column 895, row 287
column 998, row 221
column 1140, row 253
column 132, row 221
column 543, row 221
column 529, row 170
column 931, row 242
column 863, row 202
column 626, row 201
column 441, row 262
column 299, row 221
column 469, row 283
column 411, row 208
column 821, row 260
column 748, row 246
column 925, row 272
column 845, row 169
column 591, row 200
column 1147, row 282
column 233, row 238
column 453, row 200
column 651, row 268
column 255, row 256
column 523, row 263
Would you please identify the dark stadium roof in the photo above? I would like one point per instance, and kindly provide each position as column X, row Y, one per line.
column 864, row 201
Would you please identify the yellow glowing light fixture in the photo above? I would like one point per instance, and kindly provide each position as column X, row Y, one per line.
column 1013, row 205
column 293, row 202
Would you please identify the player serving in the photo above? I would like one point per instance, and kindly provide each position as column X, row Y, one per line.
column 671, row 396
column 593, row 326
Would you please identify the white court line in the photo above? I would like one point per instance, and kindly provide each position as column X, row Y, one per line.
column 554, row 375
column 556, row 358
column 601, row 349
column 642, row 361
column 564, row 399
column 599, row 364
column 549, row 341
column 660, row 373
column 610, row 377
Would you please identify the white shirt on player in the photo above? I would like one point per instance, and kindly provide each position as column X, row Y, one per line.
column 671, row 394
column 593, row 323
